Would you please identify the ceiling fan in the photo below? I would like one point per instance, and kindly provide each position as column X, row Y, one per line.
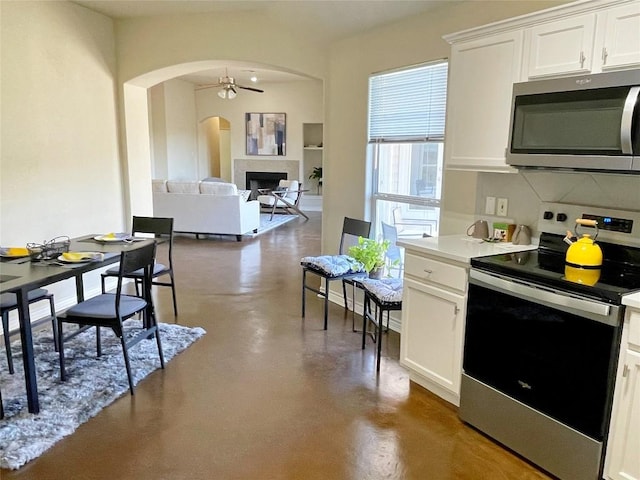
column 228, row 87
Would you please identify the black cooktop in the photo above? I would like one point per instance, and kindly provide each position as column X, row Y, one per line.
column 620, row 272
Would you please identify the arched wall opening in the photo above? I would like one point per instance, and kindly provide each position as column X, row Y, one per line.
column 137, row 148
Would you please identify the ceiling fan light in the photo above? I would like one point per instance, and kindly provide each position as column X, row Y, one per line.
column 222, row 93
column 231, row 94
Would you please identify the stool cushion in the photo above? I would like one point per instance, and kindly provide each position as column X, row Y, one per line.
column 10, row 300
column 333, row 265
column 385, row 290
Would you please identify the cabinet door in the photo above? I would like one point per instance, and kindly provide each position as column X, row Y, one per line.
column 481, row 77
column 621, row 48
column 561, row 47
column 624, row 437
column 432, row 334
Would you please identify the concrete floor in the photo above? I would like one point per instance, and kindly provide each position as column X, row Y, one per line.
column 266, row 395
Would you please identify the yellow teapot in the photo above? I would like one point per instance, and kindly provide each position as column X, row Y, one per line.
column 583, row 261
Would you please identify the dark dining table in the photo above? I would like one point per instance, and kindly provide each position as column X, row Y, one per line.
column 21, row 275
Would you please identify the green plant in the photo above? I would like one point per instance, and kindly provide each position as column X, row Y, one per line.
column 317, row 174
column 371, row 253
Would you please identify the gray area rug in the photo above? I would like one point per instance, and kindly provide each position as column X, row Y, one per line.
column 266, row 224
column 92, row 384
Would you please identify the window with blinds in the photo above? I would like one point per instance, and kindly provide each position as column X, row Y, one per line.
column 408, row 105
column 407, row 110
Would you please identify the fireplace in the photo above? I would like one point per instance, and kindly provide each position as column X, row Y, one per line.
column 266, row 180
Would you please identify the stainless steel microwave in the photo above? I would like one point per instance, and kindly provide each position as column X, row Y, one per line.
column 590, row 122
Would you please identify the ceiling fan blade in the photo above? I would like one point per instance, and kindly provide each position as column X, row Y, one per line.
column 250, row 88
column 210, row 85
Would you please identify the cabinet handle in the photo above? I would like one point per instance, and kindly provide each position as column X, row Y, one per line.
column 605, row 54
column 427, row 271
column 582, row 59
column 625, row 370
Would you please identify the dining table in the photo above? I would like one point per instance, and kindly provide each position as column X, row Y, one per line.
column 21, row 275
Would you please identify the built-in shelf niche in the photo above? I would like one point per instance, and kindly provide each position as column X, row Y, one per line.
column 313, row 142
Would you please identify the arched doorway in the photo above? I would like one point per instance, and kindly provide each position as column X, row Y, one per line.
column 216, row 133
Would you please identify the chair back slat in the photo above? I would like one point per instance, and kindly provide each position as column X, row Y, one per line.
column 352, row 228
column 155, row 225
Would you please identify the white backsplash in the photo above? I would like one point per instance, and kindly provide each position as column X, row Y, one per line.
column 526, row 191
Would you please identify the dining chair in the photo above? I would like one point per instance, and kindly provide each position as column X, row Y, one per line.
column 111, row 310
column 335, row 267
column 9, row 302
column 386, row 294
column 394, row 255
column 162, row 229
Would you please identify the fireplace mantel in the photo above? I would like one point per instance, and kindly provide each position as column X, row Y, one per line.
column 243, row 165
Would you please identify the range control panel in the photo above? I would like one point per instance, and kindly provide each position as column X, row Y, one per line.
column 614, row 226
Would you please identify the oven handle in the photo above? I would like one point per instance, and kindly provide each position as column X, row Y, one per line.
column 598, row 311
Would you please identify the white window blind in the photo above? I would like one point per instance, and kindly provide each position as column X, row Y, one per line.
column 408, row 105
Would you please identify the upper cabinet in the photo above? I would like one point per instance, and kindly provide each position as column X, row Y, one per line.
column 559, row 48
column 579, row 38
column 619, row 39
column 481, row 76
column 582, row 44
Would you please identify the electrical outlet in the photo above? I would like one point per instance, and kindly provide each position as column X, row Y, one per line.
column 502, row 207
column 490, row 206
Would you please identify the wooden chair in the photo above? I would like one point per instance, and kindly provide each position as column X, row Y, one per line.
column 9, row 302
column 162, row 229
column 335, row 267
column 111, row 310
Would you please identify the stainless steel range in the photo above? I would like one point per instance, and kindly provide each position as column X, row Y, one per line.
column 541, row 352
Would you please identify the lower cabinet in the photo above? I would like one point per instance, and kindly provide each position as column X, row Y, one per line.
column 623, row 451
column 432, row 335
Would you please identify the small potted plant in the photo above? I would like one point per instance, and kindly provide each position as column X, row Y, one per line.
column 317, row 175
column 372, row 254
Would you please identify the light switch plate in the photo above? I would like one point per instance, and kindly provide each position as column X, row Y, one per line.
column 502, row 205
column 490, row 206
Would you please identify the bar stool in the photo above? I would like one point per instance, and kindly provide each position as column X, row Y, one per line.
column 9, row 302
column 386, row 294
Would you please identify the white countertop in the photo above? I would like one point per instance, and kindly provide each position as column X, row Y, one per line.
column 632, row 300
column 460, row 248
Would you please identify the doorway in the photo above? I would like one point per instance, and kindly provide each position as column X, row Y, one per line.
column 217, row 134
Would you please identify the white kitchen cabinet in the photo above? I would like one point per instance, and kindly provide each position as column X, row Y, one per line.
column 485, row 62
column 619, row 37
column 433, row 316
column 592, row 43
column 481, row 76
column 561, row 47
column 623, row 451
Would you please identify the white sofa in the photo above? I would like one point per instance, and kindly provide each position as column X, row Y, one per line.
column 206, row 207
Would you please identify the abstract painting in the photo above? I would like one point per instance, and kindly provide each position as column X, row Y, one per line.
column 266, row 133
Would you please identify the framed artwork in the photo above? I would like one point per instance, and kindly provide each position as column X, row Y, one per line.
column 266, row 133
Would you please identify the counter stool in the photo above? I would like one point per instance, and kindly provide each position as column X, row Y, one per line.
column 386, row 294
column 9, row 302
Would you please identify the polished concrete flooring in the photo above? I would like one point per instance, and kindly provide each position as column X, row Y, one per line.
column 266, row 396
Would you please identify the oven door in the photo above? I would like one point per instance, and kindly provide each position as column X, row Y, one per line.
column 551, row 351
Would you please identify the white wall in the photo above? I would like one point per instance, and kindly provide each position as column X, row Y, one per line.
column 59, row 161
column 174, row 131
